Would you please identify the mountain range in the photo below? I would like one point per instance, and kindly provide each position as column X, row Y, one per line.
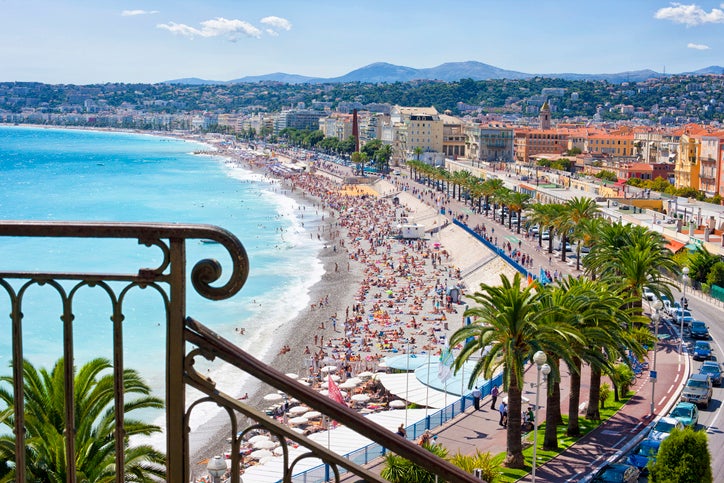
column 382, row 72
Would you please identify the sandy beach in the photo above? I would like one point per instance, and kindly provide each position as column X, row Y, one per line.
column 379, row 294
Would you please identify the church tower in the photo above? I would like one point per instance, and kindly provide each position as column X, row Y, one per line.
column 545, row 116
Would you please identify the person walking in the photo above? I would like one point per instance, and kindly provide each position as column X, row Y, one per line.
column 503, row 414
column 402, row 431
column 494, row 394
column 476, row 398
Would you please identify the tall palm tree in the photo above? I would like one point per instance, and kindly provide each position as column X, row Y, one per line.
column 563, row 225
column 506, row 332
column 587, row 233
column 517, row 202
column 543, row 216
column 578, row 210
column 489, row 187
column 95, row 437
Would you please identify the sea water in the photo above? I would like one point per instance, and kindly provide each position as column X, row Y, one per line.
column 56, row 174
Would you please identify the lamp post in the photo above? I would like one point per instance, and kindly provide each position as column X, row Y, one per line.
column 540, row 361
column 684, row 278
column 656, row 317
column 216, row 468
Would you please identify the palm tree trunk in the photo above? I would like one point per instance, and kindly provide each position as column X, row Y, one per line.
column 574, row 399
column 550, row 239
column 593, row 395
column 578, row 257
column 564, row 240
column 514, row 457
column 553, row 409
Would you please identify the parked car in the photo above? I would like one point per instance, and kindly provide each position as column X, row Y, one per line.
column 617, row 473
column 698, row 390
column 698, row 330
column 713, row 370
column 702, row 351
column 663, row 428
column 687, row 413
column 645, row 452
column 546, row 235
column 675, row 315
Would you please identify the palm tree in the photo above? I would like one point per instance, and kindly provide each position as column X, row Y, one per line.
column 417, row 151
column 580, row 209
column 587, row 233
column 543, row 216
column 517, row 202
column 507, row 331
column 489, row 187
column 563, row 225
column 95, row 424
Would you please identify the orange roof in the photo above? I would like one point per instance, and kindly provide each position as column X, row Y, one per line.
column 674, row 245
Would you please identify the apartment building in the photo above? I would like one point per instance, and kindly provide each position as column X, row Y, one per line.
column 415, row 129
column 453, row 136
column 489, row 142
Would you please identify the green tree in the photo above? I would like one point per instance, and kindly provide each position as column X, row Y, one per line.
column 716, row 275
column 508, row 329
column 683, row 458
column 95, row 424
column 401, row 470
column 701, row 262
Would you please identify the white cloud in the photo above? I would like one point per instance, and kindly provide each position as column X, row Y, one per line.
column 694, row 46
column 214, row 28
column 690, row 15
column 272, row 33
column 133, row 13
column 278, row 22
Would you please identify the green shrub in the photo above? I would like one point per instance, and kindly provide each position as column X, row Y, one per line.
column 683, row 458
column 488, row 464
column 604, row 394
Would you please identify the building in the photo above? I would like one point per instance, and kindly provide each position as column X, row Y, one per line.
column 304, row 119
column 490, row 142
column 413, row 130
column 453, row 136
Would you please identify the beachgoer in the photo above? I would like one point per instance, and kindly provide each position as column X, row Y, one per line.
column 401, row 430
column 476, row 398
column 494, row 394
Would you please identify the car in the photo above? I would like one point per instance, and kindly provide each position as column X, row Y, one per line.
column 617, row 473
column 687, row 413
column 663, row 428
column 698, row 390
column 645, row 452
column 702, row 351
column 713, row 370
column 545, row 235
column 698, row 330
column 675, row 315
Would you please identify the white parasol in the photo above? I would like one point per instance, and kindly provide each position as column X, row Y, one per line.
column 335, row 377
column 325, row 392
column 292, row 375
column 354, row 380
column 257, row 438
column 347, row 385
column 298, row 410
column 312, row 414
column 298, row 420
column 268, row 444
column 360, row 398
column 260, row 453
column 274, row 396
column 397, row 404
column 365, row 375
column 278, row 451
column 329, row 369
column 523, row 400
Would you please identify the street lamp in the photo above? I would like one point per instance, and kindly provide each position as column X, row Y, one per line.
column 540, row 361
column 684, row 278
column 655, row 318
column 216, row 468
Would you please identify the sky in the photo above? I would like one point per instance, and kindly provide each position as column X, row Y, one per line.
column 151, row 41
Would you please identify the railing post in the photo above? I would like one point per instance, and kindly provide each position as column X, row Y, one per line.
column 176, row 436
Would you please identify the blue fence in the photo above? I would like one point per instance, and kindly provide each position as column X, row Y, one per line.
column 363, row 456
column 497, row 250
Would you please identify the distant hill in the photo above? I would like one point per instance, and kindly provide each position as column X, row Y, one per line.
column 193, row 81
column 381, row 72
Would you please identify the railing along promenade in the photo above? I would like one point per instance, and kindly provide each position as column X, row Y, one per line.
column 186, row 339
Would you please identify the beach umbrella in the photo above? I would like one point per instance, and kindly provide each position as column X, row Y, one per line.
column 360, row 398
column 298, row 420
column 298, row 410
column 274, row 396
column 329, row 369
column 312, row 414
column 365, row 375
column 292, row 375
column 256, row 439
column 354, row 380
column 325, row 392
column 278, row 451
column 347, row 385
column 260, row 453
column 268, row 444
column 335, row 377
column 398, row 404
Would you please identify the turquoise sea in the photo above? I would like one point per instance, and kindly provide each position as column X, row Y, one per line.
column 55, row 174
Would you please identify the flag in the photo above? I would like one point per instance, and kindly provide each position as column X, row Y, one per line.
column 334, row 391
column 444, row 368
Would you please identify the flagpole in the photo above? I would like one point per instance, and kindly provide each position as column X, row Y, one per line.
column 407, row 381
column 427, row 388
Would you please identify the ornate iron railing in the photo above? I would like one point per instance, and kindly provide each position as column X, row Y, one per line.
column 186, row 339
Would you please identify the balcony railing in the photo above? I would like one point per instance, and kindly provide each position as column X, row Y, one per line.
column 186, row 340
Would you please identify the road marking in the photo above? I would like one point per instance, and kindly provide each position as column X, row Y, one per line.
column 663, row 399
column 619, row 442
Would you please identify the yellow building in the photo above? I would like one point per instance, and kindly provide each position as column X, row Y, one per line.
column 413, row 129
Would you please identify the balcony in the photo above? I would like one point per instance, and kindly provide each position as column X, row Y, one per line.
column 187, row 343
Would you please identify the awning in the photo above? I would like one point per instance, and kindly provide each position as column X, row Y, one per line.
column 675, row 246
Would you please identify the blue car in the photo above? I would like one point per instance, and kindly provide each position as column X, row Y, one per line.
column 645, row 452
column 702, row 351
column 698, row 330
column 713, row 370
column 617, row 473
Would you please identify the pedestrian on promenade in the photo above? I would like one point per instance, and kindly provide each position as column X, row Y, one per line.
column 503, row 414
column 476, row 398
column 402, row 431
column 494, row 394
